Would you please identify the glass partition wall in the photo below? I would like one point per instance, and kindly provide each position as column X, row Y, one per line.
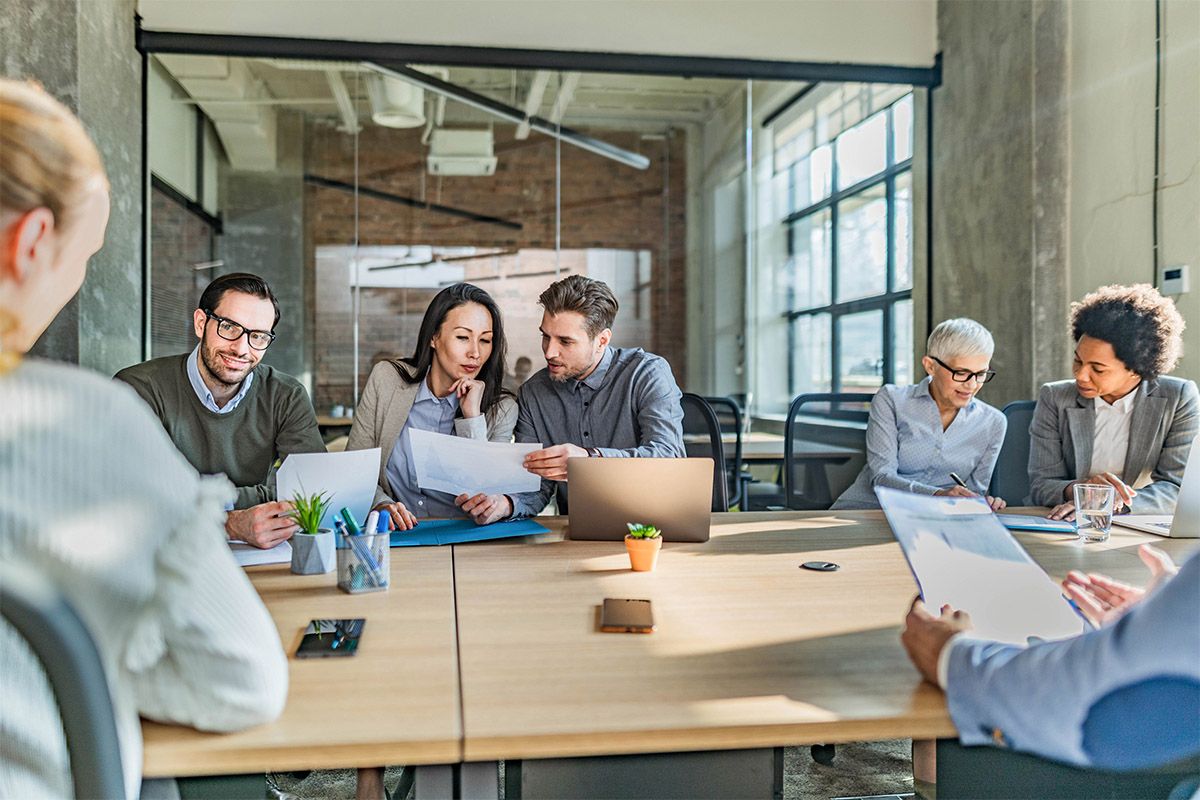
column 360, row 191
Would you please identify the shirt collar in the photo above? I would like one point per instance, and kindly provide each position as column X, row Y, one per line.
column 596, row 379
column 202, row 391
column 425, row 393
column 1122, row 406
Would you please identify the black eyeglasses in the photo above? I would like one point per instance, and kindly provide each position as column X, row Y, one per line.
column 231, row 331
column 964, row 375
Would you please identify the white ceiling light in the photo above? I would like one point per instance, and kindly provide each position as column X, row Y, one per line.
column 395, row 103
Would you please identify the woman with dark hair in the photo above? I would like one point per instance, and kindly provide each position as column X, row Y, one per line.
column 453, row 383
column 1122, row 421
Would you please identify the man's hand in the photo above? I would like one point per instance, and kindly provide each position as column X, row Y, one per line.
column 925, row 635
column 264, row 525
column 485, row 508
column 402, row 518
column 955, row 491
column 551, row 463
column 997, row 503
column 1064, row 511
column 1103, row 600
column 470, row 395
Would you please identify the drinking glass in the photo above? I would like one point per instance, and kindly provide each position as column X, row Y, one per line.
column 1093, row 511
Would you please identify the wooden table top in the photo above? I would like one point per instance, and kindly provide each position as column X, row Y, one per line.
column 395, row 702
column 750, row 651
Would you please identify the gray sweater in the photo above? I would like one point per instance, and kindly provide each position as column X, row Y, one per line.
column 273, row 420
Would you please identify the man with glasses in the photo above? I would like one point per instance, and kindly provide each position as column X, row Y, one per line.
column 226, row 412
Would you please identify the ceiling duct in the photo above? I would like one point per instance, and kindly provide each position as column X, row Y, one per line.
column 461, row 152
column 395, row 103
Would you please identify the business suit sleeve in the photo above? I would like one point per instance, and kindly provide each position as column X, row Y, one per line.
column 364, row 431
column 1049, row 474
column 883, row 447
column 981, row 476
column 297, row 433
column 1160, row 495
column 1039, row 697
column 529, row 504
column 659, row 415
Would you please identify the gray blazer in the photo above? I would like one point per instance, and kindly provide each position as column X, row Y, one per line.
column 383, row 410
column 1166, row 417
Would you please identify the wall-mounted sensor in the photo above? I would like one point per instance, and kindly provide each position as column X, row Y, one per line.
column 1173, row 279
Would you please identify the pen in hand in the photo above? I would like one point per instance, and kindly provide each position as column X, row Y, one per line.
column 954, row 477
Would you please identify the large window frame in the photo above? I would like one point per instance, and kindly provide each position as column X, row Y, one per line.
column 835, row 309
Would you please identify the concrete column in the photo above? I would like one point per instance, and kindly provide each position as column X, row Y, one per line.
column 82, row 52
column 1000, row 223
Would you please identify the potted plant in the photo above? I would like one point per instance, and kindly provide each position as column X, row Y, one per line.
column 312, row 546
column 643, row 543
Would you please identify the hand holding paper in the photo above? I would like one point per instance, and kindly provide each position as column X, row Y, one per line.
column 458, row 465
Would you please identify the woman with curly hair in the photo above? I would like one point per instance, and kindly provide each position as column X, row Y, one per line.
column 1122, row 421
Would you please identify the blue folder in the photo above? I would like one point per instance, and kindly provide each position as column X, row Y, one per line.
column 459, row 531
column 1028, row 522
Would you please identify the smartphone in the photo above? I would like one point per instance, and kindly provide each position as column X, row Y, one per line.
column 626, row 616
column 330, row 638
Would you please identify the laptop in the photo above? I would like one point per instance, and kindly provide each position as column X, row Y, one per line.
column 1185, row 522
column 672, row 494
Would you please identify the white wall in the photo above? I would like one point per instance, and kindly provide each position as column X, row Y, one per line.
column 171, row 130
column 1112, row 150
column 898, row 32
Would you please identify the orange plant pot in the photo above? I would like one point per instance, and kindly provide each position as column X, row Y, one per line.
column 643, row 553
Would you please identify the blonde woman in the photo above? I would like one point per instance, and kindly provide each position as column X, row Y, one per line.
column 94, row 497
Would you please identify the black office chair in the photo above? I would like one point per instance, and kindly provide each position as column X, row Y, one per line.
column 729, row 418
column 702, row 439
column 1010, row 478
column 41, row 614
column 825, row 447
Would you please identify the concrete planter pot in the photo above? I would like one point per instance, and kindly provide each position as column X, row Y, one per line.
column 313, row 553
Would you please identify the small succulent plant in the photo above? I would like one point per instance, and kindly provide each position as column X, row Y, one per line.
column 639, row 531
column 309, row 510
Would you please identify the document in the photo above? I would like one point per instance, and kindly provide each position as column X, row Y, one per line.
column 250, row 556
column 458, row 465
column 348, row 478
column 960, row 554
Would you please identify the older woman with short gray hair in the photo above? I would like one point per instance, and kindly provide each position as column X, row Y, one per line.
column 921, row 437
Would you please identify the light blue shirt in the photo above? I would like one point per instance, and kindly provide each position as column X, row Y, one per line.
column 908, row 450
column 206, row 397
column 429, row 413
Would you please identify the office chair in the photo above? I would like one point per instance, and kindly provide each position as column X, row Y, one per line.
column 40, row 613
column 825, row 447
column 702, row 439
column 1010, row 478
column 729, row 418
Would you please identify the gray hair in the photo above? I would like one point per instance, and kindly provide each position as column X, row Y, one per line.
column 960, row 337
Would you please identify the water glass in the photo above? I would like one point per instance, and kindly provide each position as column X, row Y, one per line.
column 1093, row 511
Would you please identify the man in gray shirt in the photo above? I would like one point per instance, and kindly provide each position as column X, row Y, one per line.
column 591, row 400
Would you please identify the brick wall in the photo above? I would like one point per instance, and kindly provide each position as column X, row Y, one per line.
column 605, row 205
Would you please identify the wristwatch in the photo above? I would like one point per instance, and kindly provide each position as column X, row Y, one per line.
column 594, row 452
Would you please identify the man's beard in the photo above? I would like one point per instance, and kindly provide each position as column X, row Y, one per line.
column 567, row 375
column 220, row 373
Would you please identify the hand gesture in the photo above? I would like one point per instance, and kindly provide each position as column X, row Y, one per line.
column 1103, row 600
column 925, row 635
column 485, row 509
column 470, row 395
column 997, row 503
column 1123, row 493
column 402, row 518
column 264, row 525
column 551, row 462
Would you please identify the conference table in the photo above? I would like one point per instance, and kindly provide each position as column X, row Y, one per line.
column 491, row 651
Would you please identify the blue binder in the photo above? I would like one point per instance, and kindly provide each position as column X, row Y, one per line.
column 459, row 531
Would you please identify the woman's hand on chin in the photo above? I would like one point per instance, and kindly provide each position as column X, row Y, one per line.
column 470, row 395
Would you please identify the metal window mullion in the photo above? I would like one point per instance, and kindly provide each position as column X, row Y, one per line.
column 851, row 191
column 835, row 338
column 860, row 304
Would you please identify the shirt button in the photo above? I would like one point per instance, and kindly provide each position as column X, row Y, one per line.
column 585, row 433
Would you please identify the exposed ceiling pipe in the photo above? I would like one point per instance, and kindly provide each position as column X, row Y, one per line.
column 515, row 115
column 533, row 101
column 341, row 96
column 566, row 92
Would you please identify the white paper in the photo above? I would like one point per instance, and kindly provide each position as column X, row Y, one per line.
column 248, row 555
column 349, row 479
column 456, row 464
column 962, row 555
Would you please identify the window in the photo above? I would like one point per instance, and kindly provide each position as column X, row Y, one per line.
column 849, row 242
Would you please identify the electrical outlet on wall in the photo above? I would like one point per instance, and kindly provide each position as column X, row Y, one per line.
column 1173, row 279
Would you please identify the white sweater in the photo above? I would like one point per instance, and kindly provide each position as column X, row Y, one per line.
column 94, row 496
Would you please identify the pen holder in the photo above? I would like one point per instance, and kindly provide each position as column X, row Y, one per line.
column 363, row 562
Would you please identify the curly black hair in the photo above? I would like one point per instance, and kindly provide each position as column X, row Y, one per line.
column 1143, row 327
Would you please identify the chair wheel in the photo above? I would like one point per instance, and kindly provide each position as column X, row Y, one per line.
column 823, row 753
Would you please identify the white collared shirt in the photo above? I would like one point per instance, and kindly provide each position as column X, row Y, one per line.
column 202, row 391
column 1111, row 439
